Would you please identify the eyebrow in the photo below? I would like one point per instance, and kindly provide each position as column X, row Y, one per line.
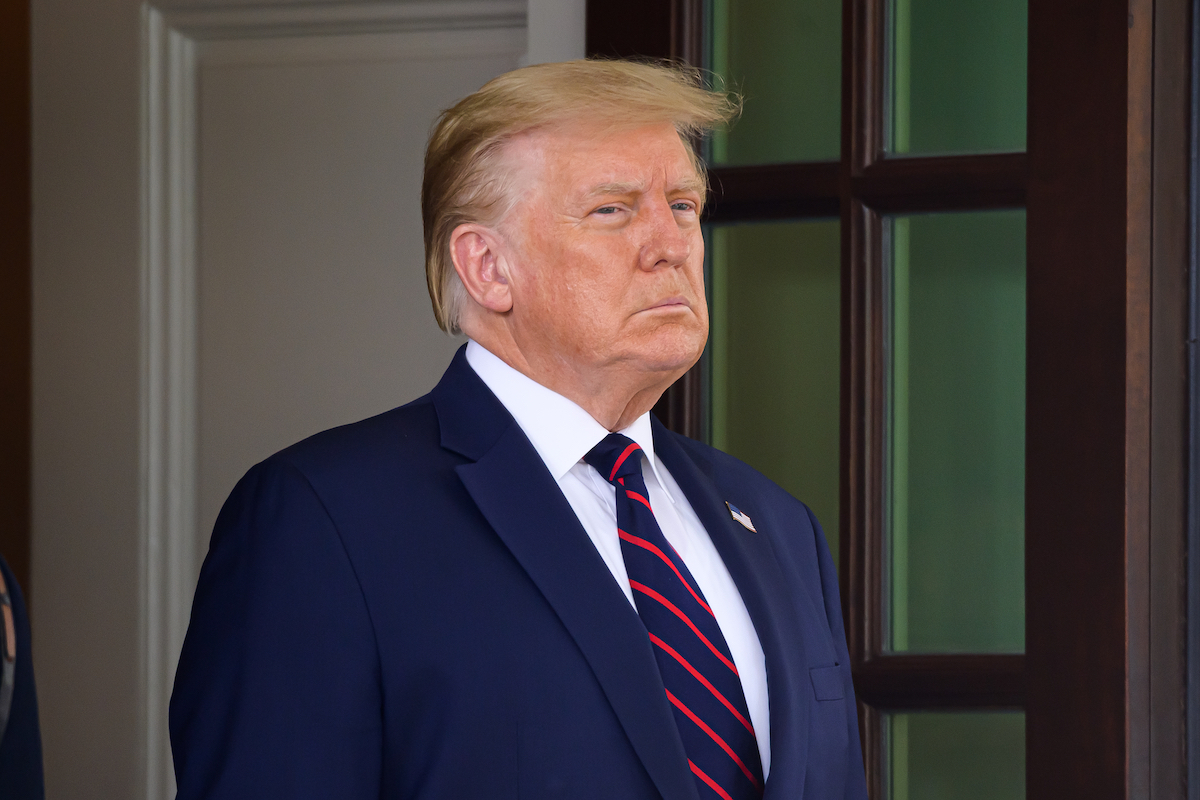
column 690, row 185
column 615, row 188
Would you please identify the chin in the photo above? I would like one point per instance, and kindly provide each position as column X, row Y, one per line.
column 674, row 353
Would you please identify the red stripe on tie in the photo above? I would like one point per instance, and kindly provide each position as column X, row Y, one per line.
column 646, row 590
column 639, row 498
column 621, row 458
column 713, row 735
column 629, row 537
column 699, row 773
column 695, row 674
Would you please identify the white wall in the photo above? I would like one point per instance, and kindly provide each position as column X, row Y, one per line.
column 226, row 258
column 556, row 30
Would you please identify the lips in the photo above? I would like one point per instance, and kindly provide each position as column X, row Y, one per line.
column 669, row 302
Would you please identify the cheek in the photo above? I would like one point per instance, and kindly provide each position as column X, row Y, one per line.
column 570, row 306
column 546, row 279
column 585, row 283
column 695, row 270
column 697, row 281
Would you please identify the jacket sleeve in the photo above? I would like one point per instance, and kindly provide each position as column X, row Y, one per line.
column 277, row 693
column 856, row 782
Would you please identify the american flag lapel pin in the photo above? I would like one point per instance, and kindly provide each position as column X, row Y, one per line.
column 741, row 517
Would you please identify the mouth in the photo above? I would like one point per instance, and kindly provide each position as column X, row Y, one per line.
column 670, row 304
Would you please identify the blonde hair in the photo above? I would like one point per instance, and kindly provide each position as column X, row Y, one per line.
column 465, row 180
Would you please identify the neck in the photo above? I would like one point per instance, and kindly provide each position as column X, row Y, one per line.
column 614, row 397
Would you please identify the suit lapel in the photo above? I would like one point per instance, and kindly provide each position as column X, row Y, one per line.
column 518, row 496
column 753, row 566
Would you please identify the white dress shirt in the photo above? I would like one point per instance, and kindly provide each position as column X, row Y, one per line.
column 562, row 433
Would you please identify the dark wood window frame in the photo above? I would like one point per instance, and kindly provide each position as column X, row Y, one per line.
column 15, row 289
column 1104, row 184
column 860, row 189
column 871, row 186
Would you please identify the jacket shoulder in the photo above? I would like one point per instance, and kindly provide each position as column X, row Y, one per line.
column 391, row 438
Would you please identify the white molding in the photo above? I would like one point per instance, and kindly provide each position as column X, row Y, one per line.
column 176, row 43
column 360, row 47
column 168, row 413
column 329, row 19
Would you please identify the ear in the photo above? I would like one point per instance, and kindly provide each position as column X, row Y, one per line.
column 481, row 267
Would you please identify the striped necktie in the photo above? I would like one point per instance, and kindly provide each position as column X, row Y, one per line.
column 698, row 672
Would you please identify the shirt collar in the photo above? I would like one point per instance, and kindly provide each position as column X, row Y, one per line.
column 559, row 429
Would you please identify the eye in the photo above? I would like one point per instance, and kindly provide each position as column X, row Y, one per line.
column 682, row 205
column 606, row 210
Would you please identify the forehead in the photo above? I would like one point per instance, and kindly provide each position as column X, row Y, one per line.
column 582, row 157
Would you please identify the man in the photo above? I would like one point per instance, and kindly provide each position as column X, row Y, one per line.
column 489, row 594
column 20, row 735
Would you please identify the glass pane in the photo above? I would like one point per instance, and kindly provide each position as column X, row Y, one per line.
column 956, row 755
column 957, row 76
column 956, row 432
column 785, row 56
column 776, row 299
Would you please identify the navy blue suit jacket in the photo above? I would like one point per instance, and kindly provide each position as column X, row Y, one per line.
column 407, row 607
column 21, row 745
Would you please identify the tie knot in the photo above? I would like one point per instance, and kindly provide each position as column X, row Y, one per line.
column 615, row 457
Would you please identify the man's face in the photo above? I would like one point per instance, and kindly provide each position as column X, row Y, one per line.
column 607, row 277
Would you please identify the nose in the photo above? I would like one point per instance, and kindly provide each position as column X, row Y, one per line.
column 666, row 243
